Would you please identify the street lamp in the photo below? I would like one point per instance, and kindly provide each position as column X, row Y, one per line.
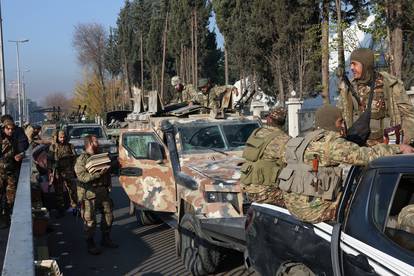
column 25, row 103
column 19, row 103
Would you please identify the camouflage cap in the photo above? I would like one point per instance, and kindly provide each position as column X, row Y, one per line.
column 277, row 116
column 326, row 116
column 175, row 80
column 406, row 217
column 202, row 82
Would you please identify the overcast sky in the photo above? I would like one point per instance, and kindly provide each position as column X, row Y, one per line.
column 49, row 54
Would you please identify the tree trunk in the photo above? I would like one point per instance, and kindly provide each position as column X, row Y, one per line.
column 192, row 48
column 142, row 66
column 226, row 66
column 325, row 51
column 181, row 71
column 164, row 50
column 280, row 82
column 341, row 55
column 196, row 45
column 394, row 14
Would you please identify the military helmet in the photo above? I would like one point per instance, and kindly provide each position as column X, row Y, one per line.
column 202, row 82
column 175, row 81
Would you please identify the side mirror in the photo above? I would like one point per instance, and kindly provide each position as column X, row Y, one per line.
column 155, row 151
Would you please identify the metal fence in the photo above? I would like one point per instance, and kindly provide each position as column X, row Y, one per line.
column 19, row 258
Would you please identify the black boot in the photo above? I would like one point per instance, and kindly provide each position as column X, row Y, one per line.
column 92, row 248
column 107, row 242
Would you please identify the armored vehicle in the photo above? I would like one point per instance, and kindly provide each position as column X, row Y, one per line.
column 189, row 168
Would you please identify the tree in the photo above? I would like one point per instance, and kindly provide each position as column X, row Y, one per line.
column 58, row 99
column 89, row 40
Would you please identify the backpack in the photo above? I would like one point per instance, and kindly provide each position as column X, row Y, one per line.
column 256, row 170
column 299, row 177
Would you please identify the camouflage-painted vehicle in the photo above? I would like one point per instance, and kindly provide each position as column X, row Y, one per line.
column 189, row 168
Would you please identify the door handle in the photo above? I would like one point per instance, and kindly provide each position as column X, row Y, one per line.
column 130, row 171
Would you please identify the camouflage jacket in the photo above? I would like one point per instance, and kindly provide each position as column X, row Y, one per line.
column 333, row 150
column 390, row 107
column 61, row 157
column 8, row 151
column 275, row 149
column 213, row 98
column 88, row 180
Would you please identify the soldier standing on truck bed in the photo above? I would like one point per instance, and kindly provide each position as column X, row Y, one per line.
column 61, row 161
column 93, row 194
column 184, row 93
column 212, row 97
column 392, row 110
column 8, row 171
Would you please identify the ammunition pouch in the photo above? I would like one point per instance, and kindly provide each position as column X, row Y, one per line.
column 256, row 170
column 300, row 178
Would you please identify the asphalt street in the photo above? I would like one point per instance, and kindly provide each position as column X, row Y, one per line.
column 144, row 250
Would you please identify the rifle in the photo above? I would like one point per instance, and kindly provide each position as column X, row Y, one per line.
column 239, row 103
column 351, row 88
column 360, row 130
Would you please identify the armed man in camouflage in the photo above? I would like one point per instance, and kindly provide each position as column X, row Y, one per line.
column 258, row 174
column 329, row 147
column 213, row 97
column 93, row 193
column 8, row 172
column 391, row 107
column 33, row 134
column 61, row 160
column 185, row 93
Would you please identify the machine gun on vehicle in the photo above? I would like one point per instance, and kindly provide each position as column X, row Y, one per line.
column 240, row 104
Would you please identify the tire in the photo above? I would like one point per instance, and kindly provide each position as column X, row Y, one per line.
column 145, row 217
column 198, row 256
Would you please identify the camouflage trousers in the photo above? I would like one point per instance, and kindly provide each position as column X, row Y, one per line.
column 61, row 183
column 8, row 186
column 94, row 200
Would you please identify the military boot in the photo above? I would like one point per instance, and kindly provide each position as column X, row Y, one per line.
column 107, row 242
column 92, row 248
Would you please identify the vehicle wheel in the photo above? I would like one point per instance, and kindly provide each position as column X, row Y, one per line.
column 145, row 217
column 198, row 256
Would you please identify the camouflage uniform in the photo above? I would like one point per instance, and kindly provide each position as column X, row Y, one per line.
column 93, row 194
column 390, row 107
column 331, row 150
column 61, row 160
column 8, row 174
column 406, row 218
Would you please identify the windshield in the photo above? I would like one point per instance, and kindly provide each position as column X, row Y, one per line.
column 237, row 135
column 221, row 136
column 80, row 132
column 48, row 132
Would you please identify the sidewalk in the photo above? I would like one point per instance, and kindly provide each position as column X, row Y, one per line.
column 4, row 235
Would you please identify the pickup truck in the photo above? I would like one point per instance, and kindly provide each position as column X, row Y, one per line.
column 363, row 239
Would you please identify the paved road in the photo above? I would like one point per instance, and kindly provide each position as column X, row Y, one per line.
column 144, row 250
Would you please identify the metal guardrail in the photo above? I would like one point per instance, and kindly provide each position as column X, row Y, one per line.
column 19, row 258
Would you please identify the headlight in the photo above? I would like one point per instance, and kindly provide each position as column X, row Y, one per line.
column 78, row 151
column 113, row 149
column 223, row 197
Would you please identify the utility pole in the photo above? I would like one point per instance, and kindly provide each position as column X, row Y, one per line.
column 3, row 99
column 25, row 103
column 19, row 96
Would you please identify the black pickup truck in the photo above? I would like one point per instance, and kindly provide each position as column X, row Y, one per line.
column 364, row 239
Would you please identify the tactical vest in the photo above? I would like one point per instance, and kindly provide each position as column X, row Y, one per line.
column 256, row 170
column 301, row 178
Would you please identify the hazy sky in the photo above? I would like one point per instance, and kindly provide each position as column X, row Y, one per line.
column 49, row 54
